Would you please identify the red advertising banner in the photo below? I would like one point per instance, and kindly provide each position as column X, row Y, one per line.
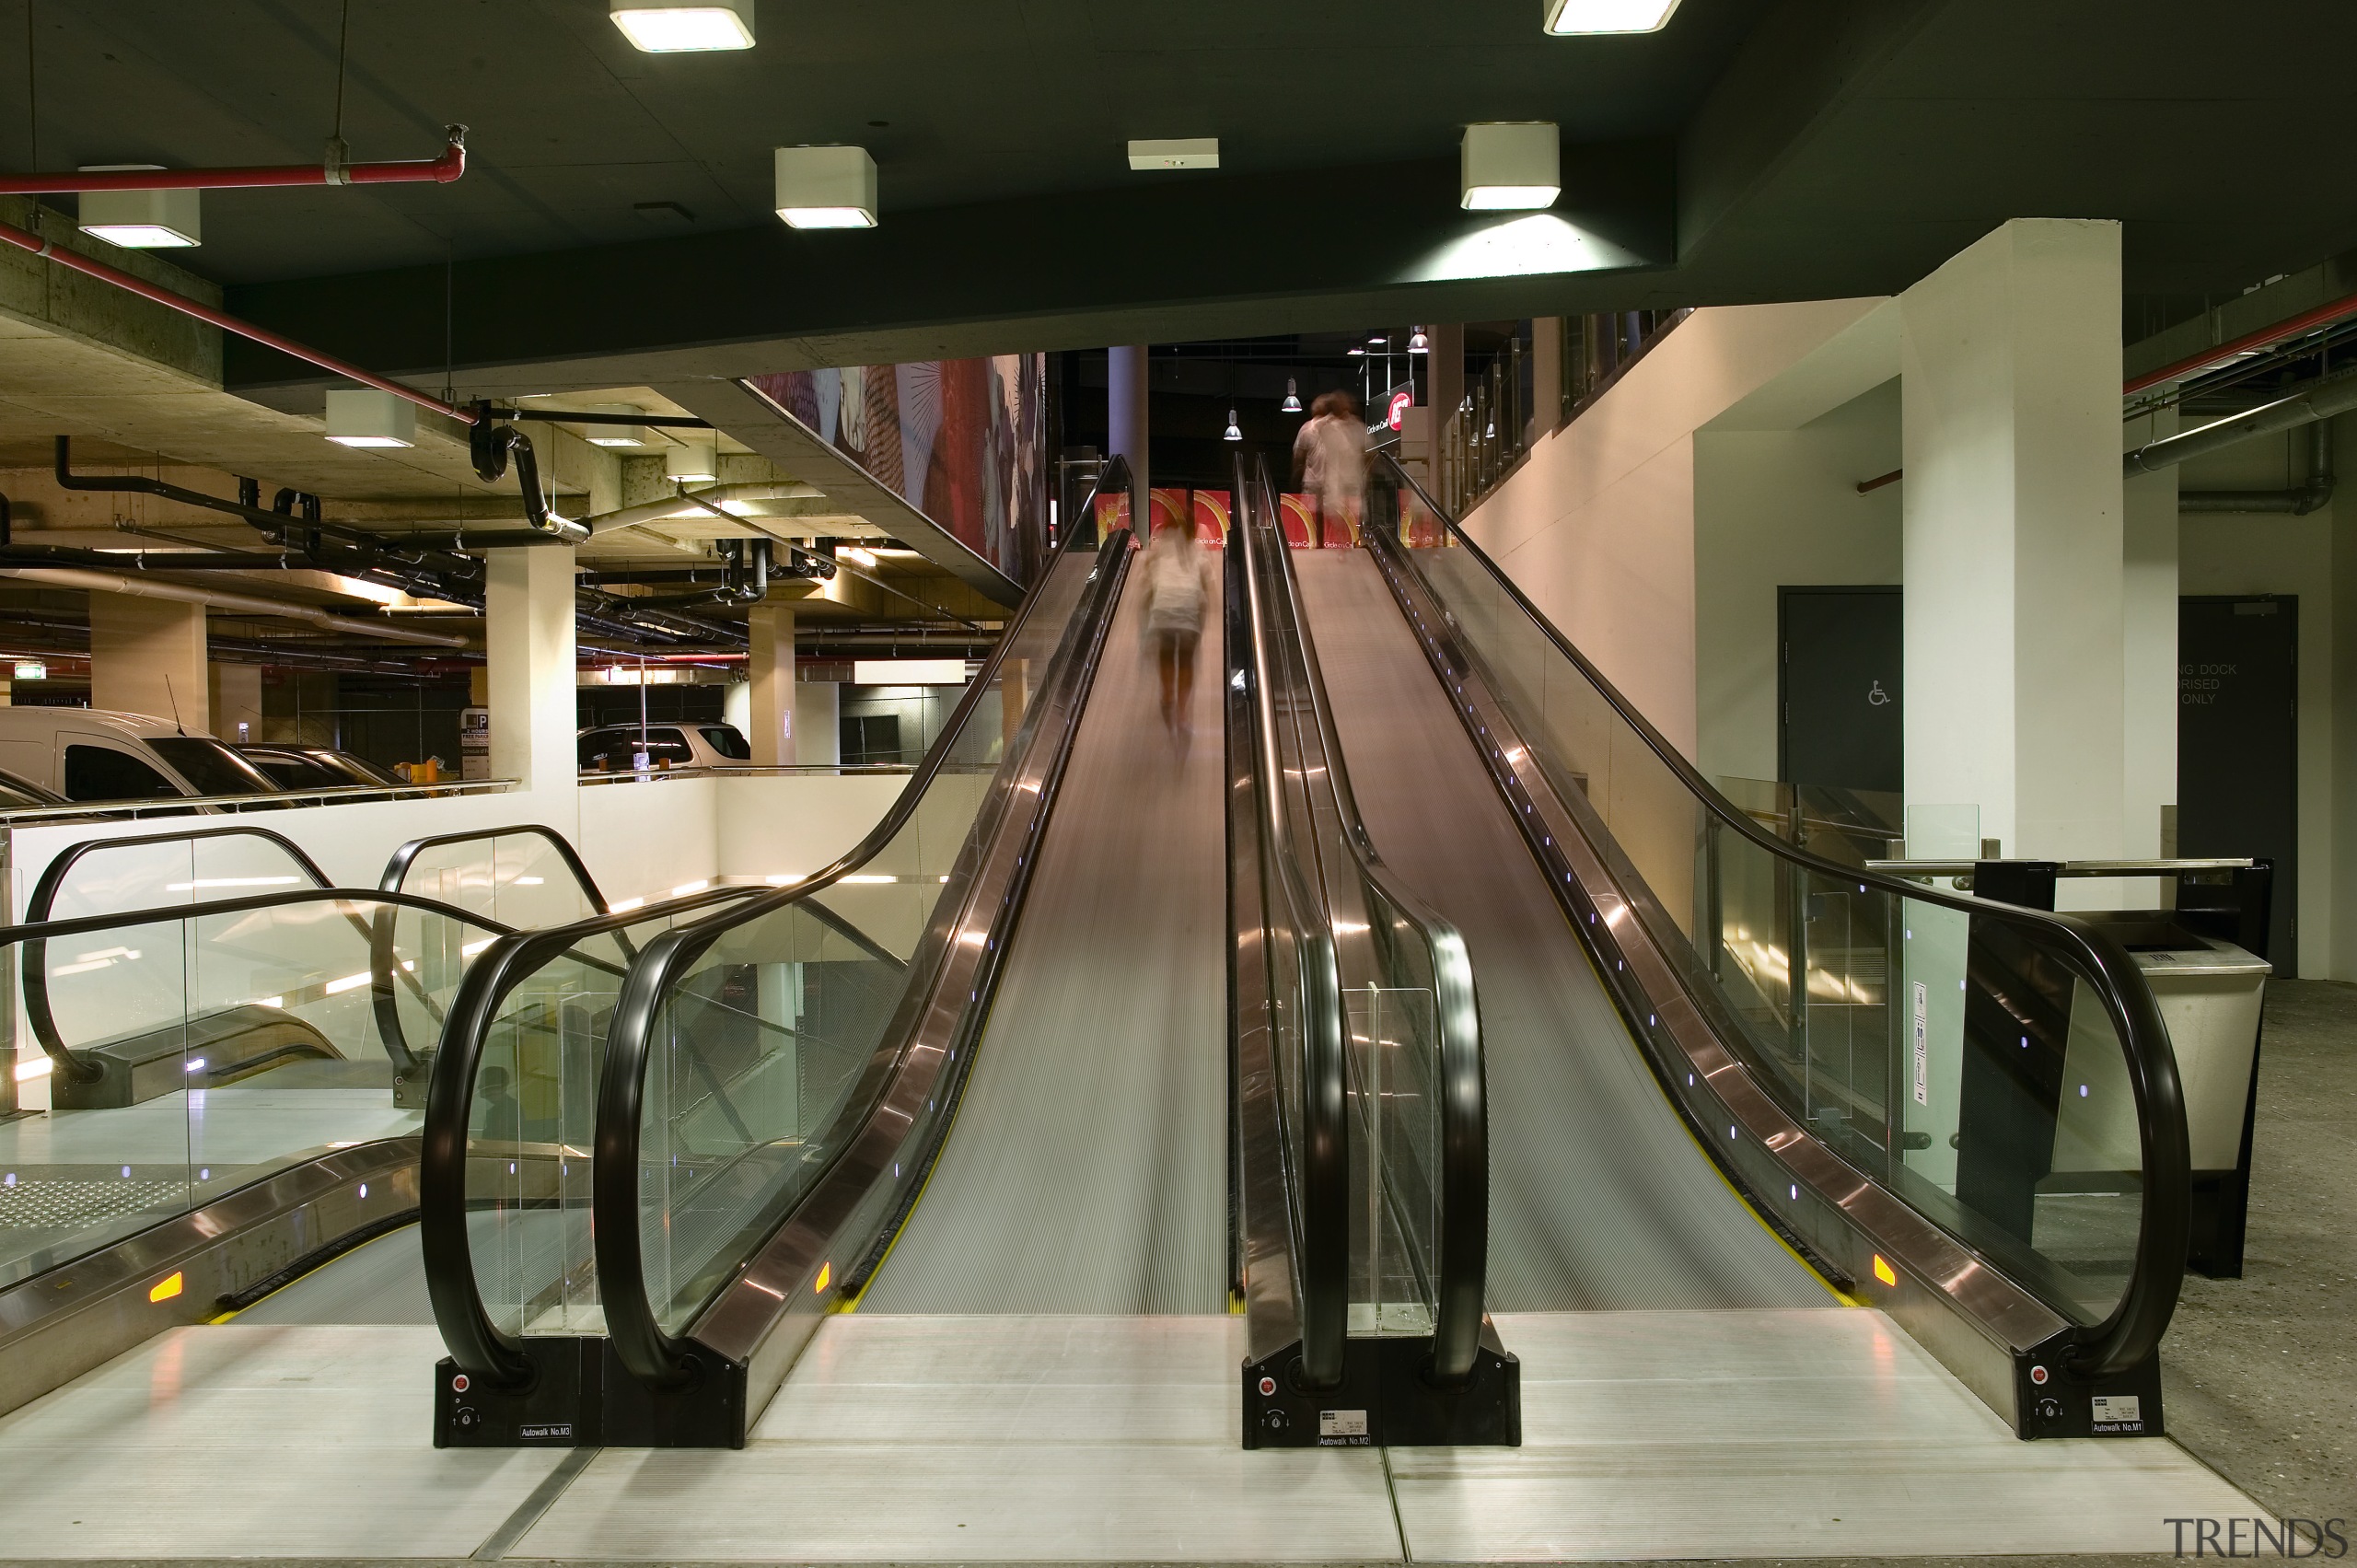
column 1211, row 519
column 1299, row 514
column 1419, row 529
column 1112, row 512
column 1338, row 529
column 1167, row 509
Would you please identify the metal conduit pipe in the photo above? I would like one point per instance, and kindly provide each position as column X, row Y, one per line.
column 2299, row 501
column 665, row 507
column 337, row 168
column 215, row 599
column 2317, row 400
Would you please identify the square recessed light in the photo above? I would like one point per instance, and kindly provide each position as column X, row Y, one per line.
column 1510, row 167
column 689, row 465
column 141, row 220
column 1566, row 18
column 1182, row 152
column 364, row 416
column 826, row 187
column 656, row 29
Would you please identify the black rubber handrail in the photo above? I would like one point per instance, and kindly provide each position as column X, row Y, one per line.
column 1319, row 1152
column 1464, row 1237
column 52, row 876
column 652, row 1353
column 479, row 1346
column 397, row 868
column 2133, row 1330
column 36, row 936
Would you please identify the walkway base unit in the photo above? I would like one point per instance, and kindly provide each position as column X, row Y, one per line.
column 1385, row 1399
column 580, row 1394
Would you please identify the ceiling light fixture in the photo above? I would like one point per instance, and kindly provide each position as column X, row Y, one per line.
column 655, row 27
column 362, row 416
column 1181, row 152
column 826, row 187
column 1293, row 397
column 1567, row 17
column 1505, row 167
column 1418, row 342
column 614, row 434
column 687, row 465
column 1233, row 433
column 141, row 220
column 1358, row 348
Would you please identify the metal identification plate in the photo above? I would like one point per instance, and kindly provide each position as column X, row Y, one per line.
column 2119, row 1412
column 1342, row 1425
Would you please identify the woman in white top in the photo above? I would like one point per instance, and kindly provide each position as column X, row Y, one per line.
column 1330, row 457
column 1177, row 584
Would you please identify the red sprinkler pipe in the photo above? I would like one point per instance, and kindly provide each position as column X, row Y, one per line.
column 2306, row 321
column 336, row 171
column 24, row 239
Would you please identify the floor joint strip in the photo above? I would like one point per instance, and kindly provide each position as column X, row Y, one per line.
column 542, row 1499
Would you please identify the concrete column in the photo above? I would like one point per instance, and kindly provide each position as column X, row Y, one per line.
column 236, row 700
column 530, row 679
column 1125, row 415
column 769, row 714
column 2342, row 956
column 147, row 656
column 2148, row 611
column 2014, row 552
column 1448, row 358
column 1546, row 375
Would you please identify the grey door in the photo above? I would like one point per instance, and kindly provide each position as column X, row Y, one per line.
column 1839, row 684
column 2237, row 744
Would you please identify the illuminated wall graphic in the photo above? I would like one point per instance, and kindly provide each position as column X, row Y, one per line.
column 962, row 440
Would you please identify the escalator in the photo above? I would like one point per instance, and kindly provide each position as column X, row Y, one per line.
column 1725, row 1073
column 223, row 1086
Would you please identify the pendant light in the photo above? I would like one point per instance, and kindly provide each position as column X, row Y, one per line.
column 1293, row 397
column 1234, row 433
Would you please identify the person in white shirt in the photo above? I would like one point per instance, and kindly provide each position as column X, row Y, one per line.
column 1178, row 586
column 1329, row 460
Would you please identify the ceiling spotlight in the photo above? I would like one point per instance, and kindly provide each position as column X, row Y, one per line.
column 141, row 220
column 826, row 187
column 687, row 465
column 1358, row 348
column 614, row 434
column 364, row 416
column 1510, row 166
column 1181, row 152
column 1293, row 397
column 1565, row 18
column 1232, row 434
column 1417, row 344
column 655, row 27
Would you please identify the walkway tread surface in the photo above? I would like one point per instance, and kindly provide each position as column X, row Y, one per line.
column 1087, row 1168
column 1599, row 1199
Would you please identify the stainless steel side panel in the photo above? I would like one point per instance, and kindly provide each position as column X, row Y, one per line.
column 62, row 1323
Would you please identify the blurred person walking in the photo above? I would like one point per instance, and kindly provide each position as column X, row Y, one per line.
column 1329, row 462
column 1178, row 586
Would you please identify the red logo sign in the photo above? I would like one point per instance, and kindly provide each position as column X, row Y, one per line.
column 1401, row 403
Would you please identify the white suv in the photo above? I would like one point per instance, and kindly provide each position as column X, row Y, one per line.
column 92, row 754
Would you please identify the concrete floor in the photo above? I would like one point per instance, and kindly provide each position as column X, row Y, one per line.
column 2261, row 1378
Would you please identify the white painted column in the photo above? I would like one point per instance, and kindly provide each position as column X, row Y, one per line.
column 2014, row 552
column 147, row 656
column 817, row 718
column 769, row 714
column 529, row 667
column 2149, row 615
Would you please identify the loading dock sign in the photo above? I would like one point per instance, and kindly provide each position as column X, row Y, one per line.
column 1922, row 1044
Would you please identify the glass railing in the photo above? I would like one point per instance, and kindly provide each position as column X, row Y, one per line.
column 1410, row 1053
column 691, row 1076
column 169, row 1058
column 527, row 876
column 2004, row 1072
column 771, row 1034
column 104, row 877
column 505, row 1180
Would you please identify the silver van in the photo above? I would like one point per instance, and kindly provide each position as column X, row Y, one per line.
column 92, row 754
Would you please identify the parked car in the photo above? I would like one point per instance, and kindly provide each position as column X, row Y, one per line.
column 92, row 754
column 614, row 749
column 314, row 767
column 17, row 794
